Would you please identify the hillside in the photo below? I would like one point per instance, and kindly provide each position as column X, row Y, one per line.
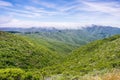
column 21, row 52
column 74, row 36
column 102, row 31
column 54, row 45
column 22, row 58
column 99, row 55
column 64, row 41
column 22, row 55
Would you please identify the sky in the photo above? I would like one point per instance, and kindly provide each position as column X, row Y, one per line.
column 59, row 13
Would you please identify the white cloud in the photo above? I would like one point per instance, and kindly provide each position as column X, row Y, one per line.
column 79, row 12
column 26, row 24
column 5, row 19
column 21, row 13
column 5, row 3
column 106, row 7
column 61, row 25
column 45, row 4
column 58, row 9
column 40, row 11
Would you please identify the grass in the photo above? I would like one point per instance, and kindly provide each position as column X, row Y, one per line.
column 53, row 45
column 21, row 52
column 82, row 64
column 112, row 75
column 115, row 75
column 96, row 56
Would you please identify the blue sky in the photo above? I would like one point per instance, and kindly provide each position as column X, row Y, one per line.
column 59, row 13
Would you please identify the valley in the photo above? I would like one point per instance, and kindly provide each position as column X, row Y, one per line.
column 54, row 54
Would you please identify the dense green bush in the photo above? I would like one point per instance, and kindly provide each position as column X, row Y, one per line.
column 19, row 51
column 23, row 59
column 95, row 56
column 18, row 74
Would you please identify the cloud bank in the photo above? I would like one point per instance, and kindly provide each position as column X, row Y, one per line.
column 59, row 13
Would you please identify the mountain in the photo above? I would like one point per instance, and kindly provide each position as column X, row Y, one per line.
column 99, row 55
column 70, row 36
column 22, row 58
column 19, row 51
column 61, row 41
column 52, row 54
column 59, row 47
column 102, row 31
column 64, row 41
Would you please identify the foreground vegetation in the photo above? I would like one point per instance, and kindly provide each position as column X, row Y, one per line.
column 21, row 52
column 23, row 59
column 96, row 56
column 19, row 74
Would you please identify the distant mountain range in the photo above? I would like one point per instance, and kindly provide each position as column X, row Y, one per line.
column 45, row 29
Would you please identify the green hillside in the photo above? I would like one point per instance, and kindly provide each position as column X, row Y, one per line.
column 96, row 56
column 55, row 45
column 61, row 41
column 23, row 58
column 75, row 37
column 19, row 51
column 66, row 40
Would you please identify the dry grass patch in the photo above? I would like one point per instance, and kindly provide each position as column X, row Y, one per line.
column 112, row 75
column 115, row 75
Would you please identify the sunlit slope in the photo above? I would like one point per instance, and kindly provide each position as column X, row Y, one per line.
column 18, row 51
column 98, row 55
column 54, row 45
column 77, row 37
column 66, row 40
column 61, row 41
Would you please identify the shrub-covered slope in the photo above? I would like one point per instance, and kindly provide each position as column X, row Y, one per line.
column 66, row 40
column 95, row 56
column 99, row 55
column 18, row 51
column 56, row 46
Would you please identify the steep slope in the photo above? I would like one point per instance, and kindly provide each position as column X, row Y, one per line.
column 95, row 56
column 98, row 55
column 18, row 51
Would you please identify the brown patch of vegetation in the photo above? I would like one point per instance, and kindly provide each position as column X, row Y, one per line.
column 115, row 75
